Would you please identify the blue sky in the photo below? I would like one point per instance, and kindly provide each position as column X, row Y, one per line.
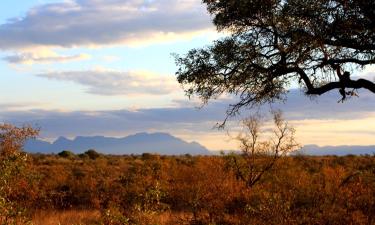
column 104, row 67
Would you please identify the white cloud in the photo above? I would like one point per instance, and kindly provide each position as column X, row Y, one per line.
column 42, row 55
column 104, row 22
column 111, row 82
column 20, row 106
column 110, row 58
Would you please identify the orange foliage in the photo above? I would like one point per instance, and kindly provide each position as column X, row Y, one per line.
column 152, row 189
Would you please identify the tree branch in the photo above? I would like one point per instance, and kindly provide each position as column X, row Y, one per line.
column 356, row 84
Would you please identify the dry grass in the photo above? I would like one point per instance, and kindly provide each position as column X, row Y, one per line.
column 166, row 218
column 70, row 217
column 92, row 217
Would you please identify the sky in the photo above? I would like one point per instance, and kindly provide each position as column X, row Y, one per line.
column 105, row 67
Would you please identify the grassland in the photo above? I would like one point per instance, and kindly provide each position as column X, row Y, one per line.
column 153, row 189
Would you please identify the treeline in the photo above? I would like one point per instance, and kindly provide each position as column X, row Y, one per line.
column 153, row 189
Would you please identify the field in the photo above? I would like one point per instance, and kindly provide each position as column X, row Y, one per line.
column 153, row 189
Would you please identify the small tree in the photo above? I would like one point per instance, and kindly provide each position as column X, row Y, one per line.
column 259, row 156
column 12, row 164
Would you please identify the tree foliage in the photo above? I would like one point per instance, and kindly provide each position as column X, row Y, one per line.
column 271, row 43
column 12, row 167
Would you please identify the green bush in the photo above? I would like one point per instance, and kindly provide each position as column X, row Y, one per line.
column 66, row 154
column 92, row 154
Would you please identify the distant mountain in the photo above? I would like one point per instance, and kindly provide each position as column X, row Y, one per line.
column 162, row 143
column 337, row 150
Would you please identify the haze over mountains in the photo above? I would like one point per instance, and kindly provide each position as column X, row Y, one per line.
column 338, row 150
column 161, row 143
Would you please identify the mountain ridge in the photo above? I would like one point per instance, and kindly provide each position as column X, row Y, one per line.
column 159, row 142
column 340, row 150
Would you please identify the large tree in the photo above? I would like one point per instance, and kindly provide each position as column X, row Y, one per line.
column 319, row 44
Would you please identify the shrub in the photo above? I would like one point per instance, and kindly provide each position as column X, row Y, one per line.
column 66, row 154
column 12, row 166
column 92, row 154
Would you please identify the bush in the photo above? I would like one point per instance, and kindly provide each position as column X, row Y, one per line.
column 66, row 154
column 12, row 172
column 92, row 154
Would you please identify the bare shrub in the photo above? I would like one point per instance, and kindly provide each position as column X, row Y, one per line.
column 259, row 154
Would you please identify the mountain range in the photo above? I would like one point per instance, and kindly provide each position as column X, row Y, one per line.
column 337, row 150
column 162, row 143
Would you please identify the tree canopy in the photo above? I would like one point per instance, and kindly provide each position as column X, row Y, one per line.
column 319, row 44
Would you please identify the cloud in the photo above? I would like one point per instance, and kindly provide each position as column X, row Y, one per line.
column 111, row 82
column 322, row 121
column 300, row 107
column 104, row 22
column 110, row 58
column 20, row 106
column 114, row 122
column 42, row 56
column 188, row 123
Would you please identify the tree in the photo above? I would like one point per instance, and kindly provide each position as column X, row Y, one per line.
column 271, row 43
column 13, row 138
column 12, row 165
column 259, row 155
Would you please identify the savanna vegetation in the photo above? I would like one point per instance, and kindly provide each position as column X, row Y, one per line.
column 153, row 189
column 258, row 186
column 268, row 45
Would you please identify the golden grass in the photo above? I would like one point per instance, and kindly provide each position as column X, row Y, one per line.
column 68, row 217
column 92, row 217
